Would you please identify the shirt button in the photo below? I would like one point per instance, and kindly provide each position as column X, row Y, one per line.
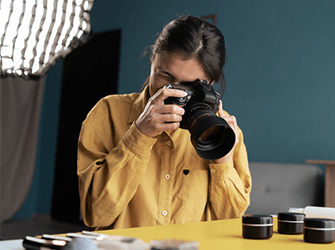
column 164, row 213
column 169, row 143
column 167, row 176
column 213, row 170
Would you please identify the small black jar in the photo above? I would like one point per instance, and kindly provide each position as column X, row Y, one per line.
column 290, row 223
column 318, row 230
column 257, row 226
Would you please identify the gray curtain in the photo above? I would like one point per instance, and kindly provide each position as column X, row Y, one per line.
column 21, row 102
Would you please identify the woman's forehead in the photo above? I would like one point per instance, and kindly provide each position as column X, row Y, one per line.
column 177, row 66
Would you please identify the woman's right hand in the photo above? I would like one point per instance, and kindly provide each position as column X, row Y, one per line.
column 157, row 116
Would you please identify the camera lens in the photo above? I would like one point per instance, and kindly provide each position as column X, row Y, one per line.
column 211, row 135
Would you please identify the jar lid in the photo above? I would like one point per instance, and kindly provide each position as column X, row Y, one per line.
column 287, row 216
column 261, row 219
column 319, row 223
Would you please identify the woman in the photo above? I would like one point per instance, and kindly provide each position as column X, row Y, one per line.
column 136, row 167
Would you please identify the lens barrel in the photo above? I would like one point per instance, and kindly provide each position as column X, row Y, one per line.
column 211, row 136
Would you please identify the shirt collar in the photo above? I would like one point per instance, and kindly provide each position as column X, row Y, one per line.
column 139, row 105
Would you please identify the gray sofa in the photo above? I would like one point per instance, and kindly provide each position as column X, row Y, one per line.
column 279, row 186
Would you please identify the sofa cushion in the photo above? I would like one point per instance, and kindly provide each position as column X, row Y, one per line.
column 278, row 186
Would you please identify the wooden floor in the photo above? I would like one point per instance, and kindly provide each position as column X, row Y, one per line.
column 38, row 225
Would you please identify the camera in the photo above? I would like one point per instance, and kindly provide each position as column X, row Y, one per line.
column 211, row 135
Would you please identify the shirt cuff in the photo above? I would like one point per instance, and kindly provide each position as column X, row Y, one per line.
column 221, row 170
column 138, row 143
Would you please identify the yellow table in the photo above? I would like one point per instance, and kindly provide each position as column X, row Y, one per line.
column 223, row 234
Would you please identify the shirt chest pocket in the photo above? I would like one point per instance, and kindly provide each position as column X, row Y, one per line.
column 195, row 195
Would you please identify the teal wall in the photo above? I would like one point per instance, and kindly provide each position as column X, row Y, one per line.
column 280, row 75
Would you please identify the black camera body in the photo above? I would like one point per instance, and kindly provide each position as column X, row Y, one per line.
column 200, row 96
column 211, row 135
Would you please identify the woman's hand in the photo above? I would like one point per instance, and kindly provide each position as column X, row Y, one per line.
column 158, row 117
column 231, row 120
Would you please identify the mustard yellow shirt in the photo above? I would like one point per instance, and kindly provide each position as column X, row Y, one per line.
column 127, row 179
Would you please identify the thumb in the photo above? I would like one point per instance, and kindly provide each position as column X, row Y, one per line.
column 220, row 111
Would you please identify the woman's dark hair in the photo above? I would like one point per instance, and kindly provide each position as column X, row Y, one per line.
column 193, row 37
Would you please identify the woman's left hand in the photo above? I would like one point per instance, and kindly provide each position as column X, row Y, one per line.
column 231, row 120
